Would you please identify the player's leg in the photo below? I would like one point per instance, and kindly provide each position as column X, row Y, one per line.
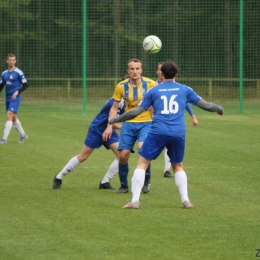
column 92, row 141
column 150, row 150
column 138, row 182
column 8, row 124
column 144, row 129
column 113, row 169
column 12, row 108
column 126, row 144
column 181, row 182
column 71, row 165
column 176, row 153
column 123, row 169
column 147, row 182
column 18, row 126
column 167, row 165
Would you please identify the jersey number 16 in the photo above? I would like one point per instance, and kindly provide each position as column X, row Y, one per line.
column 170, row 106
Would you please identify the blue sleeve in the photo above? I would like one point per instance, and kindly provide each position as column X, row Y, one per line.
column 193, row 98
column 146, row 102
column 189, row 109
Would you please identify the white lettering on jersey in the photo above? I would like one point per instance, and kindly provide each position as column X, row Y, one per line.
column 169, row 107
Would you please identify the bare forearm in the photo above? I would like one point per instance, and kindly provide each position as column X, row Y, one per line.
column 117, row 126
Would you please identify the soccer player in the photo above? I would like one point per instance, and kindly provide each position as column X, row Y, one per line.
column 167, row 163
column 93, row 141
column 169, row 101
column 15, row 83
column 132, row 91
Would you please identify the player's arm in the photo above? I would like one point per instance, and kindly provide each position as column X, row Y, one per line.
column 1, row 86
column 193, row 117
column 112, row 113
column 117, row 126
column 194, row 120
column 23, row 88
column 211, row 107
column 128, row 115
column 2, row 83
column 17, row 92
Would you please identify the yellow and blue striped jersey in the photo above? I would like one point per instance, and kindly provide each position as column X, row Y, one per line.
column 133, row 96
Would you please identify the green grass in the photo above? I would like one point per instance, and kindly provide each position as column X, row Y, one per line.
column 82, row 222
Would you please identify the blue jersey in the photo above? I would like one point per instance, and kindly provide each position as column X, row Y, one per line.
column 169, row 100
column 99, row 124
column 188, row 108
column 12, row 80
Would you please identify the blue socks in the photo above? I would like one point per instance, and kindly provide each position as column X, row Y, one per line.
column 148, row 171
column 123, row 174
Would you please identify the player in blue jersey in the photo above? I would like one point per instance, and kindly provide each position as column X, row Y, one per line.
column 167, row 163
column 15, row 83
column 132, row 91
column 169, row 101
column 93, row 141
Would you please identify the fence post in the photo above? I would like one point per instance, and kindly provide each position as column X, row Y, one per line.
column 258, row 87
column 210, row 89
column 68, row 88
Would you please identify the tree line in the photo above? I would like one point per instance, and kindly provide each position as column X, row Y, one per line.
column 201, row 36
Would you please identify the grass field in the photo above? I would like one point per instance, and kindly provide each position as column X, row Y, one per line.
column 82, row 222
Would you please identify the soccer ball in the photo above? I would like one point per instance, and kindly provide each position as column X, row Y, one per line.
column 152, row 44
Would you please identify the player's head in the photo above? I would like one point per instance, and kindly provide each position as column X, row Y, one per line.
column 134, row 69
column 169, row 69
column 11, row 60
column 158, row 71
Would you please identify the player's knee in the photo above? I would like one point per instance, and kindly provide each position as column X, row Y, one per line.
column 177, row 167
column 82, row 157
column 123, row 158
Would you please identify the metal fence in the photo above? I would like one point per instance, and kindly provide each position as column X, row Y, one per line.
column 203, row 37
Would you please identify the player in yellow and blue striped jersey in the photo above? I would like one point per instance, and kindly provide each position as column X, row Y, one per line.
column 132, row 90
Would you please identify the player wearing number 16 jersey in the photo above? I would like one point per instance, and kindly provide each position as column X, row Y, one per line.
column 169, row 101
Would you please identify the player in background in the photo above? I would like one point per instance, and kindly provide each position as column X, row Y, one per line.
column 15, row 82
column 132, row 91
column 169, row 101
column 167, row 163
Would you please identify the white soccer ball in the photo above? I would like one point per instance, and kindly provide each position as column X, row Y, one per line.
column 152, row 44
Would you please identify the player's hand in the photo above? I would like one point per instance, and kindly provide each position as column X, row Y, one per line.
column 15, row 95
column 107, row 134
column 194, row 120
column 150, row 109
column 221, row 111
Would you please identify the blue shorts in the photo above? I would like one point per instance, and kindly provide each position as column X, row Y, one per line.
column 154, row 145
column 130, row 132
column 13, row 105
column 94, row 140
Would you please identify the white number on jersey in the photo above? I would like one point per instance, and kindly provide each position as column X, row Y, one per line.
column 169, row 107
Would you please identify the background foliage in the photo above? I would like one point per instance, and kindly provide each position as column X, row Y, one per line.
column 202, row 37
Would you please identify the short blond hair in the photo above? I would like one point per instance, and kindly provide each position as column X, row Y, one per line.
column 10, row 55
column 134, row 60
